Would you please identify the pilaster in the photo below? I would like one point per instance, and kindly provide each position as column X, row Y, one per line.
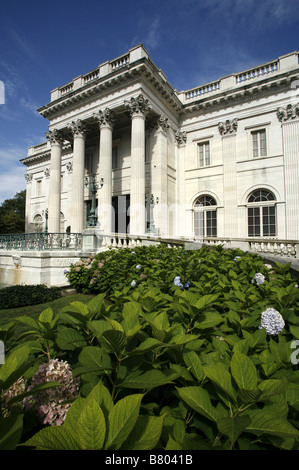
column 29, row 178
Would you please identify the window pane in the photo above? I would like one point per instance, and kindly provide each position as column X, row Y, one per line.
column 263, row 146
column 255, row 144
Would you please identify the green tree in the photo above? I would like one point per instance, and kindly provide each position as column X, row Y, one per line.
column 12, row 214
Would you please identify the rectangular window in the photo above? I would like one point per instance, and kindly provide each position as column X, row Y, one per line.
column 254, row 228
column 259, row 144
column 261, row 221
column 204, row 154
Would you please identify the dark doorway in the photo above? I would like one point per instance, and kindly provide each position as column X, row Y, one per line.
column 121, row 218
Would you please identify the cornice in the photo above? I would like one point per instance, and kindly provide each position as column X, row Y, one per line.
column 143, row 68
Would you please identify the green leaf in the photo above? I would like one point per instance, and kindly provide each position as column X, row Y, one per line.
column 29, row 321
column 70, row 339
column 192, row 361
column 199, row 400
column 46, row 316
column 219, row 375
column 95, row 305
column 272, row 387
column 93, row 358
column 233, row 427
column 37, row 389
column 249, row 396
column 263, row 422
column 10, row 431
column 91, row 427
column 208, row 320
column 206, row 300
column 145, row 434
column 53, row 438
column 121, row 420
column 115, row 338
column 243, row 371
column 150, row 379
column 149, row 344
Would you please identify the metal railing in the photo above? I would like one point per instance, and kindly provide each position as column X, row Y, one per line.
column 41, row 241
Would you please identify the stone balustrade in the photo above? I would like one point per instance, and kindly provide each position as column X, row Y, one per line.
column 41, row 241
column 235, row 81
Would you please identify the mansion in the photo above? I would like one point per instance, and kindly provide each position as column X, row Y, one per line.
column 127, row 153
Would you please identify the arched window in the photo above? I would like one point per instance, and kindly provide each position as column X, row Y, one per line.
column 205, row 217
column 261, row 214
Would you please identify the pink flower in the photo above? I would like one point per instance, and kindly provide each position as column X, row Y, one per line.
column 48, row 403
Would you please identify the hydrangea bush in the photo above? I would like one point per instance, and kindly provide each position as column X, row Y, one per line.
column 178, row 350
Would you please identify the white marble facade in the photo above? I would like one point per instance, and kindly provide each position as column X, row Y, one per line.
column 220, row 160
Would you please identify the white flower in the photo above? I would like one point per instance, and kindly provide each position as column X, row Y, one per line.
column 138, row 266
column 258, row 278
column 133, row 283
column 268, row 266
column 237, row 257
column 272, row 321
column 177, row 281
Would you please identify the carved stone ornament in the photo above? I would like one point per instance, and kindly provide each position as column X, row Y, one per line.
column 77, row 127
column 28, row 177
column 288, row 113
column 138, row 106
column 162, row 123
column 105, row 118
column 228, row 127
column 180, row 137
column 47, row 172
column 69, row 166
column 55, row 136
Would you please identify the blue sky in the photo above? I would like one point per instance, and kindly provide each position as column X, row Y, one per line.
column 46, row 44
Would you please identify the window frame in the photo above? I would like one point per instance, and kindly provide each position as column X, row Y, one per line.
column 208, row 219
column 256, row 211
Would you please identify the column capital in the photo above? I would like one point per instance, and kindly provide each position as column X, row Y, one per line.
column 28, row 177
column 181, row 138
column 105, row 118
column 138, row 106
column 55, row 136
column 162, row 123
column 78, row 128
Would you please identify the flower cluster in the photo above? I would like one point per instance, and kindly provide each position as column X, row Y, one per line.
column 50, row 403
column 272, row 321
column 258, row 279
column 177, row 282
column 16, row 389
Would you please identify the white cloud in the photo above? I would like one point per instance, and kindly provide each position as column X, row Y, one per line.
column 12, row 173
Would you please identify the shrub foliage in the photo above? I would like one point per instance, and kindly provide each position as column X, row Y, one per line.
column 163, row 366
column 20, row 296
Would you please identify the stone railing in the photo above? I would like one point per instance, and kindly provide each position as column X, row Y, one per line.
column 235, row 81
column 41, row 241
column 125, row 240
column 284, row 248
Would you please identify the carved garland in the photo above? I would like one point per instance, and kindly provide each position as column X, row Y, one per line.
column 288, row 113
column 228, row 127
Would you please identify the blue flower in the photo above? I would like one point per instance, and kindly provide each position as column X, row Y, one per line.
column 132, row 252
column 237, row 257
column 177, row 282
column 272, row 321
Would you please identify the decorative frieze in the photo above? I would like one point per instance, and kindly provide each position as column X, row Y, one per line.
column 69, row 166
column 288, row 113
column 228, row 127
column 138, row 106
column 181, row 138
column 105, row 118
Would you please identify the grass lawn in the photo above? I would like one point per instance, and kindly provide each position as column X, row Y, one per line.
column 8, row 315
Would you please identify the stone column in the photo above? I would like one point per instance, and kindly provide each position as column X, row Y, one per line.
column 228, row 131
column 28, row 178
column 77, row 194
column 184, row 226
column 290, row 134
column 106, row 120
column 54, row 201
column 138, row 108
